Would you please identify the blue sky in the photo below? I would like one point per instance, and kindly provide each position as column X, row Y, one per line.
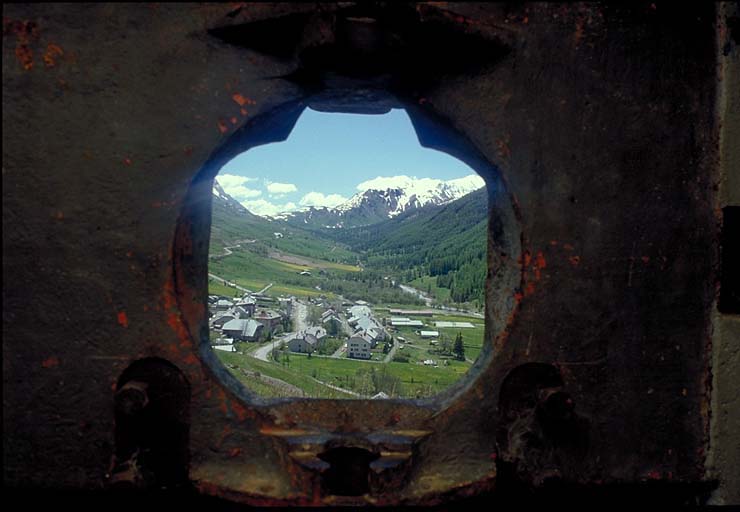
column 330, row 157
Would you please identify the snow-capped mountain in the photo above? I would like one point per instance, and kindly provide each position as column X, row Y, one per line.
column 384, row 198
column 409, row 193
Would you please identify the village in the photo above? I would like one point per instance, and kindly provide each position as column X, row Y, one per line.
column 270, row 329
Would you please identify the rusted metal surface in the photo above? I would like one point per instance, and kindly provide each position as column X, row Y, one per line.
column 594, row 126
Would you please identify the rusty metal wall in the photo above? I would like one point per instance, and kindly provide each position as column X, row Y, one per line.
column 603, row 122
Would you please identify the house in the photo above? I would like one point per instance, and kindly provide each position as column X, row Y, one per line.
column 243, row 329
column 375, row 335
column 248, row 303
column 220, row 318
column 304, row 273
column 318, row 332
column 222, row 305
column 429, row 334
column 303, row 343
column 360, row 311
column 225, row 344
column 240, row 312
column 405, row 322
column 332, row 319
column 359, row 346
column 269, row 318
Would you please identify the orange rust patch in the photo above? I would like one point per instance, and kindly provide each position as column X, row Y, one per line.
column 568, row 247
column 25, row 32
column 173, row 320
column 25, row 56
column 50, row 362
column 574, row 260
column 122, row 319
column 190, row 359
column 243, row 111
column 242, row 100
column 233, row 120
column 173, row 317
column 540, row 260
column 529, row 289
column 539, row 264
column 222, row 126
column 127, row 161
column 241, row 412
column 52, row 52
column 235, row 452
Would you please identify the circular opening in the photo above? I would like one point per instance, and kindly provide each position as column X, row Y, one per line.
column 446, row 344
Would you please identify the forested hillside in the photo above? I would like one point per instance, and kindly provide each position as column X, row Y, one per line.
column 445, row 243
column 439, row 249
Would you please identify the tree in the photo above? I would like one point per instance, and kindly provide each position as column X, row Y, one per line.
column 445, row 347
column 459, row 348
column 332, row 328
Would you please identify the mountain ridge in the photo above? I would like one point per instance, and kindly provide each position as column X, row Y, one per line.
column 377, row 204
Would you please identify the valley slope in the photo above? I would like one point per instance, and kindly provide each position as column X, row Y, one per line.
column 439, row 249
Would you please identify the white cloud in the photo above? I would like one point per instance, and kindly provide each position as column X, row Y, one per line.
column 319, row 199
column 264, row 207
column 234, row 186
column 242, row 192
column 232, row 180
column 280, row 188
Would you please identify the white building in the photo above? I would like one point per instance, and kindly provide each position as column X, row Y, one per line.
column 243, row 329
column 358, row 346
column 303, row 343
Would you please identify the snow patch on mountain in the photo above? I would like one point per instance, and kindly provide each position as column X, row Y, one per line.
column 401, row 193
